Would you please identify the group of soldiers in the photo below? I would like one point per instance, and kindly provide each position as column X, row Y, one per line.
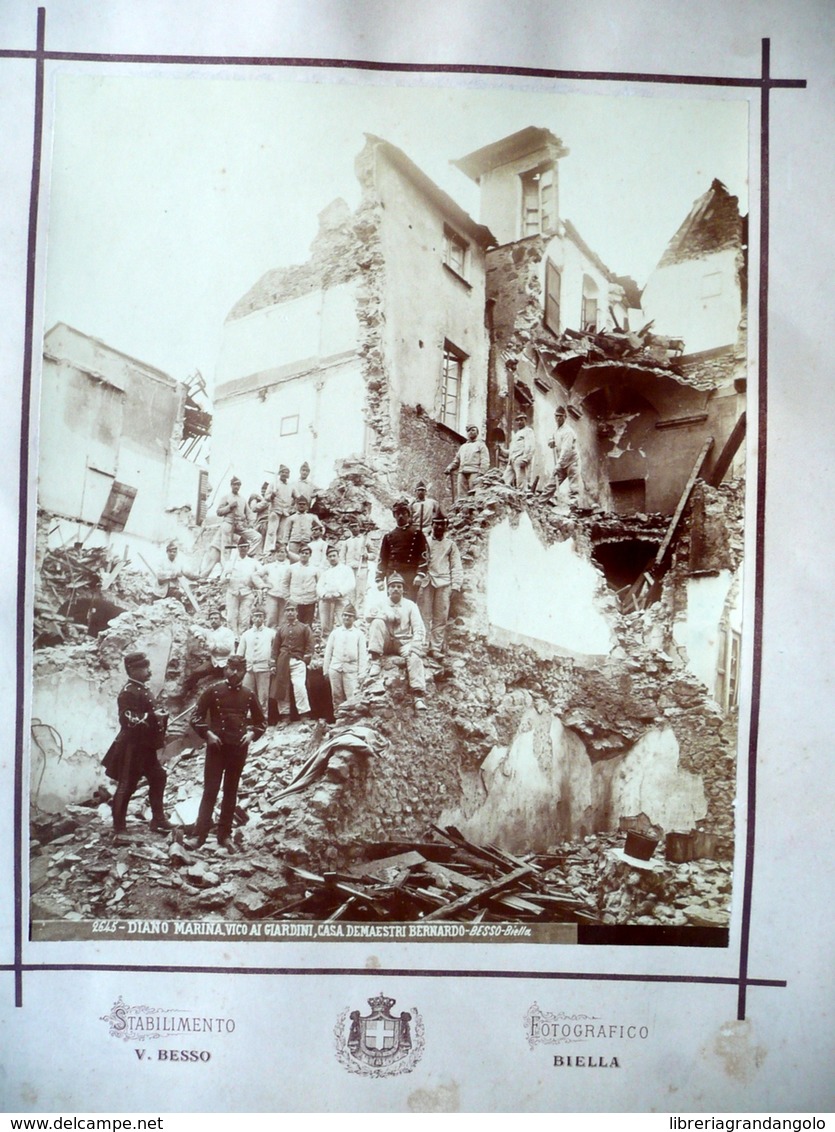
column 283, row 577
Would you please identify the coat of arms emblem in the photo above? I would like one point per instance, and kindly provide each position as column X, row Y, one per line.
column 379, row 1044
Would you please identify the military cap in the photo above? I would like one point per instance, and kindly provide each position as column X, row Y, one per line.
column 395, row 579
column 134, row 660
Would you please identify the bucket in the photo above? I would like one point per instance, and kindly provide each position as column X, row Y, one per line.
column 640, row 846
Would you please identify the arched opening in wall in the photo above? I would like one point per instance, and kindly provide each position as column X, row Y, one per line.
column 624, row 560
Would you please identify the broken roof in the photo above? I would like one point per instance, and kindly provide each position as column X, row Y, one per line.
column 60, row 341
column 461, row 219
column 712, row 224
column 511, row 148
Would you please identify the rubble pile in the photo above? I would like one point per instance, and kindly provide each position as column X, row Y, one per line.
column 322, row 847
column 77, row 873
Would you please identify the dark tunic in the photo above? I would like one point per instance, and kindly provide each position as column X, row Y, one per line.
column 291, row 642
column 133, row 754
column 228, row 712
column 403, row 551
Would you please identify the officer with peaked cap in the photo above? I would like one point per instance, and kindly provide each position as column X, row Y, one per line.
column 133, row 755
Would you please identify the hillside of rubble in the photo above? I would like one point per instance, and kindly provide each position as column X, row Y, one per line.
column 509, row 798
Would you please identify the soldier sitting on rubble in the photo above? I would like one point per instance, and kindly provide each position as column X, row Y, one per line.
column 220, row 641
column 398, row 630
column 404, row 551
column 229, row 718
column 133, row 754
column 169, row 573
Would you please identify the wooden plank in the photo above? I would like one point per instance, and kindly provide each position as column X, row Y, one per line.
column 682, row 503
column 643, row 585
column 728, row 452
column 479, row 894
column 187, row 590
column 378, row 868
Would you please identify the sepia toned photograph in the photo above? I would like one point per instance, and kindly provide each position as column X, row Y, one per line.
column 388, row 571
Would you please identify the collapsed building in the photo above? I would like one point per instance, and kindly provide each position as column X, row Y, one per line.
column 592, row 682
column 122, row 466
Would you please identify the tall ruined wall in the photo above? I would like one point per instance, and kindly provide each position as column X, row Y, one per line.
column 530, row 745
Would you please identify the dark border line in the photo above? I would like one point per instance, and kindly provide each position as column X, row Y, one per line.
column 759, row 549
column 23, row 500
column 403, row 68
column 398, row 972
column 764, row 83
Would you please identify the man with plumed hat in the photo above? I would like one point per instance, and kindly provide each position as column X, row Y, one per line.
column 133, row 754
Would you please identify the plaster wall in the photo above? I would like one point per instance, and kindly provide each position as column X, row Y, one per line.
column 544, row 596
column 649, row 781
column 698, row 300
column 697, row 632
column 574, row 264
column 501, row 195
column 74, row 710
column 246, row 436
column 426, row 304
column 316, row 325
column 544, row 789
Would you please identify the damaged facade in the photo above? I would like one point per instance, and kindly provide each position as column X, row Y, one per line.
column 120, row 445
column 592, row 678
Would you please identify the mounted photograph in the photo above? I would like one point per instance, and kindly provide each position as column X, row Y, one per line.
column 390, row 512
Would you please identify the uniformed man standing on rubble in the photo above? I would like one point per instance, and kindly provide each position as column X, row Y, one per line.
column 520, row 454
column 404, row 551
column 133, row 754
column 471, row 461
column 566, row 460
column 229, row 718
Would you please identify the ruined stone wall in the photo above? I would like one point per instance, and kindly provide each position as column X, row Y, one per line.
column 425, row 451
column 529, row 748
column 513, row 284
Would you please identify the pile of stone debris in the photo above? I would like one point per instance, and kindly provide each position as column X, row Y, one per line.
column 78, row 873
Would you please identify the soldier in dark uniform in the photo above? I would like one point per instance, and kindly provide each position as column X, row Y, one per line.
column 133, row 755
column 229, row 718
column 403, row 551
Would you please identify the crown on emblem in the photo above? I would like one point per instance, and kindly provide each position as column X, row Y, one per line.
column 382, row 1003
